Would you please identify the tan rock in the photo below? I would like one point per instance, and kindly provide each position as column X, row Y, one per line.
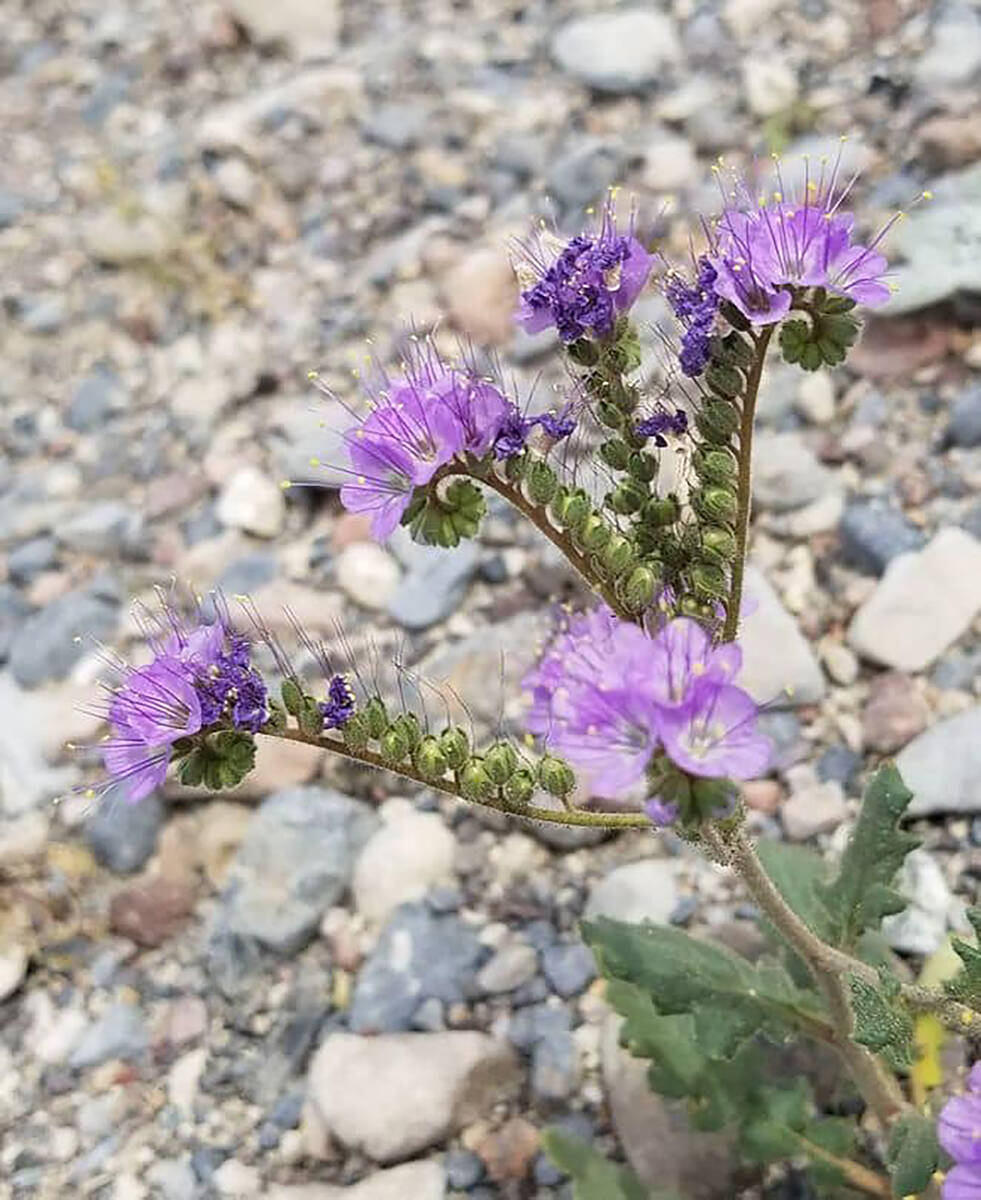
column 508, row 1152
column 481, row 294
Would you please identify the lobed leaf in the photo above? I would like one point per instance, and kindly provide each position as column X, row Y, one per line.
column 913, row 1153
column 593, row 1176
column 882, row 1021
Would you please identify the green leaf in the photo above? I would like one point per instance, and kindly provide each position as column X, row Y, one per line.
column 837, row 1135
column 595, row 1177
column 912, row 1154
column 861, row 894
column 966, row 984
column 728, row 998
column 669, row 1042
column 882, row 1021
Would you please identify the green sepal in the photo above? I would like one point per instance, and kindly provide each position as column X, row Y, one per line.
column 356, row 731
column 395, row 745
column 221, row 761
column 628, row 497
column 584, row 352
column 661, row 511
column 277, row 720
column 292, row 695
column 617, row 555
column 642, row 467
column 429, row 759
column 540, row 482
column 520, row 788
column 455, row 746
column 637, row 588
column 615, row 453
column 475, row 783
column 725, row 381
column 310, row 718
column 717, row 421
column 594, row 533
column 556, row 776
column 593, row 1176
column 375, row 717
column 623, row 353
column 714, row 464
column 913, row 1154
column 715, row 504
column 501, row 762
column 709, row 580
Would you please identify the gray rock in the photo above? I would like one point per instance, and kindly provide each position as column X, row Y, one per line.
column 964, row 426
column 118, row 1033
column 954, row 54
column 922, row 605
column 507, row 969
column 873, row 534
column 29, row 558
column 554, row 1066
column 397, row 126
column 432, row 592
column 106, row 528
column 786, row 473
column 48, row 645
column 583, row 173
column 98, row 395
column 173, row 1178
column 419, row 956
column 942, row 767
column 43, row 314
column 639, row 891
column 294, row 863
column 617, row 52
column 779, row 666
column 958, row 670
column 310, row 28
column 123, row 835
column 923, row 926
column 12, row 208
column 463, row 1169
column 569, row 967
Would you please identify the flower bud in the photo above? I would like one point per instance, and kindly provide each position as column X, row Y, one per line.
column 612, row 416
column 661, row 512
column 615, row 453
column 714, row 464
column 310, row 718
column 292, row 695
column 569, row 507
column 520, row 788
column 643, row 467
column 355, row 731
column 455, row 746
column 429, row 759
column 736, row 318
column 594, row 533
column 618, row 554
column 715, row 504
column 501, row 762
column 718, row 544
column 725, row 381
column 475, row 783
column 708, row 580
column 375, row 717
column 637, row 589
column 717, row 421
column 627, row 497
column 277, row 720
column 394, row 745
column 583, row 352
column 738, row 351
column 540, row 481
column 516, row 466
column 714, row 797
column 409, row 723
column 556, row 776
column 698, row 610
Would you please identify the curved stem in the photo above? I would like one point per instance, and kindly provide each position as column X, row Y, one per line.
column 744, row 488
column 854, row 1173
column 530, row 812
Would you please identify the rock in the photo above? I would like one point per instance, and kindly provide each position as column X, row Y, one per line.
column 121, row 240
column 569, row 967
column 640, row 891
column 509, row 968
column 123, row 835
column 779, row 667
column 52, row 640
column 26, row 780
column 432, row 591
column 554, row 1066
column 294, row 863
column 309, row 27
column 895, row 713
column 669, row 163
column 173, row 1178
column 237, row 1179
column 948, row 141
column 481, row 294
column 367, row 574
column 840, row 662
column 31, row 558
column 252, row 502
column 398, row 126
column 873, row 534
column 819, row 808
column 13, row 968
column 617, row 52
column 786, row 473
column 816, row 397
column 237, row 183
column 280, row 764
column 410, row 853
column 463, row 1169
column 392, row 1096
column 151, row 911
column 770, row 85
column 107, row 528
column 411, row 1181
column 955, row 51
column 763, row 795
column 583, row 173
column 964, row 426
column 43, row 315
column 507, row 1152
column 118, row 1033
column 184, row 1080
column 660, row 1145
column 419, row 956
column 924, row 602
column 98, row 396
column 942, row 767
column 922, row 928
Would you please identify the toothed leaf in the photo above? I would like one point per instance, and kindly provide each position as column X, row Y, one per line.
column 882, row 1021
column 912, row 1154
column 593, row 1176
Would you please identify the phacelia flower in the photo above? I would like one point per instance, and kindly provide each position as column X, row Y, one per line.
column 339, row 706
column 959, row 1132
column 661, row 423
column 583, row 285
column 516, row 429
column 763, row 248
column 606, row 695
column 695, row 306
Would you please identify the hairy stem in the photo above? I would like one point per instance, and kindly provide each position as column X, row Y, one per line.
column 530, row 812
column 869, row 1182
column 744, row 488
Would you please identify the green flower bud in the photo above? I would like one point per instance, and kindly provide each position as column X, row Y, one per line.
column 277, row 720
column 394, row 744
column 736, row 318
column 691, row 606
column 375, row 716
column 540, row 481
column 475, row 783
column 709, row 580
column 583, row 352
column 310, row 718
column 615, row 453
column 736, row 351
column 714, row 465
column 838, row 304
column 718, row 544
column 611, row 415
column 623, row 353
column 520, row 788
column 235, row 751
column 594, row 533
column 627, row 498
column 455, row 746
column 409, row 723
column 569, row 507
column 717, row 421
column 429, row 759
column 292, row 695
column 516, row 466
column 661, row 512
column 501, row 762
column 643, row 467
column 713, row 797
column 637, row 588
column 355, row 731
column 617, row 554
column 715, row 504
column 556, row 776
column 725, row 381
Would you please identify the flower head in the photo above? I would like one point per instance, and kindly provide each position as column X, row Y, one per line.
column 340, row 703
column 582, row 286
column 695, row 305
column 959, row 1131
column 661, row 423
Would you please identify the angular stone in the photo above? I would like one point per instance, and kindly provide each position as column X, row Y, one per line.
column 122, row 835
column 617, row 52
column 923, row 926
column 510, row 968
column 895, row 713
column 367, row 574
column 392, row 1096
column 401, row 861
column 309, row 27
column 923, row 603
column 411, row 1181
column 873, row 534
column 482, row 295
column 779, row 666
column 942, row 767
column 819, row 808
column 150, row 911
column 432, row 591
column 118, row 1033
column 51, row 641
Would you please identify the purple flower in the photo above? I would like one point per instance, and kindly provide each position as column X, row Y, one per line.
column 661, row 423
column 558, row 425
column 713, row 733
column 512, row 435
column 339, row 706
column 231, row 689
column 583, row 287
column 959, row 1131
column 695, row 306
column 682, row 658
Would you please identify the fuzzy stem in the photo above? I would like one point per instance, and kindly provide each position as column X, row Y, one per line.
column 869, row 1182
column 744, row 489
column 531, row 812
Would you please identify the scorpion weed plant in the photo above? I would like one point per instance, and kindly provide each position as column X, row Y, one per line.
column 635, row 716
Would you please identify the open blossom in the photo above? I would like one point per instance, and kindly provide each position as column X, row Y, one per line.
column 959, row 1132
column 607, row 696
column 582, row 286
column 764, row 246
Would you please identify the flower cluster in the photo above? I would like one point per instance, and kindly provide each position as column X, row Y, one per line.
column 513, row 436
column 959, row 1132
column 199, row 676
column 761, row 251
column 339, row 705
column 581, row 287
column 695, row 305
column 659, row 424
column 608, row 697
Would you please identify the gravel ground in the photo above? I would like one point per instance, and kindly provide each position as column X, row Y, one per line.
column 324, row 978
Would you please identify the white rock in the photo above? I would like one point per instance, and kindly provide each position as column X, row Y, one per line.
column 786, row 473
column 411, row 1181
column 923, row 926
column 778, row 664
column 251, row 501
column 745, row 17
column 401, row 861
column 309, row 27
column 236, row 182
column 924, row 602
column 840, row 663
column 184, row 1078
column 13, row 967
column 820, row 516
column 237, row 1179
column 942, row 767
column 508, row 969
column 393, row 1095
column 617, row 51
column 368, row 574
column 128, row 1187
column 669, row 163
column 816, row 397
column 955, row 54
column 812, row 810
column 640, row 891
column 770, row 85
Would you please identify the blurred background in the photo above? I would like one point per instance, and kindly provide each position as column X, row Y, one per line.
column 199, row 204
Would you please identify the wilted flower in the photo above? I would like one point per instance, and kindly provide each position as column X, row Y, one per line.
column 959, row 1132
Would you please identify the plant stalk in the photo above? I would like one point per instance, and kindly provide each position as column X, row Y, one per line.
column 869, row 1182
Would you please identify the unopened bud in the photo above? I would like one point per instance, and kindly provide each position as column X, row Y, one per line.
column 611, row 415
column 520, row 788
column 310, row 718
column 643, row 467
column 717, row 421
column 714, row 797
column 501, row 762
column 725, row 381
column 637, row 588
column 375, row 716
column 394, row 745
column 409, row 724
column 429, row 759
column 715, row 504
column 475, row 783
column 736, row 318
column 355, row 732
column 627, row 498
column 556, row 776
column 569, row 507
column 516, row 466
column 618, row 554
column 594, row 533
column 661, row 512
column 455, row 746
column 718, row 544
column 583, row 352
column 714, row 465
column 292, row 695
column 540, row 482
column 738, row 351
column 277, row 720
column 708, row 580
column 615, row 453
